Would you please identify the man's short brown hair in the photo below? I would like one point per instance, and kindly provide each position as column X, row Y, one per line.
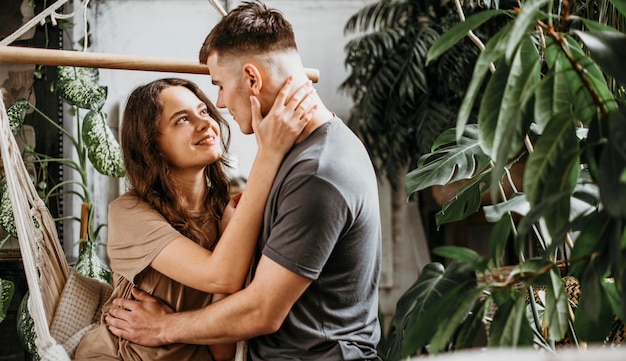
column 251, row 28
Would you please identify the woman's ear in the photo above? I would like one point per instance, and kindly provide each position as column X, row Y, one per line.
column 253, row 78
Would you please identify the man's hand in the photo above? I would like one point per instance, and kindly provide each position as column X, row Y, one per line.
column 140, row 321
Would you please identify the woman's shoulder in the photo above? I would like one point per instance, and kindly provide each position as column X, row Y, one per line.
column 128, row 201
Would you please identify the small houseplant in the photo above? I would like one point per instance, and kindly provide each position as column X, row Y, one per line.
column 553, row 95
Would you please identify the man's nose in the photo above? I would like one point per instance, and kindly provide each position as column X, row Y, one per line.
column 220, row 102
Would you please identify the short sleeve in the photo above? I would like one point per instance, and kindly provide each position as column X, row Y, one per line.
column 136, row 235
column 310, row 220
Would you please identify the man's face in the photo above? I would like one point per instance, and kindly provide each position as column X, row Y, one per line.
column 232, row 91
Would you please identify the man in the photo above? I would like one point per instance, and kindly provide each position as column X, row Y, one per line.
column 314, row 294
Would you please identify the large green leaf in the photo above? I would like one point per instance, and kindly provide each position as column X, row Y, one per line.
column 613, row 164
column 459, row 31
column 457, row 253
column 526, row 20
column 503, row 129
column 553, row 168
column 103, row 150
column 466, row 202
column 79, row 87
column 593, row 314
column 590, row 244
column 449, row 299
column 556, row 307
column 418, row 298
column 498, row 239
column 493, row 50
column 585, row 81
column 517, row 203
column 607, row 48
column 449, row 162
column 473, row 326
column 509, row 327
column 613, row 295
column 446, row 330
column 551, row 100
column 7, row 289
column 419, row 309
column 490, row 108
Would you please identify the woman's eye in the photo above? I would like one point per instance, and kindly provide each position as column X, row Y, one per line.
column 204, row 111
column 180, row 120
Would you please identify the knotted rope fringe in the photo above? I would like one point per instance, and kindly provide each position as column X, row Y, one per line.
column 45, row 265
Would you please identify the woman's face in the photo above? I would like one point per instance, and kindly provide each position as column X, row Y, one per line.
column 189, row 137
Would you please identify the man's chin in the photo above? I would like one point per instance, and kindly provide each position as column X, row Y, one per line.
column 246, row 131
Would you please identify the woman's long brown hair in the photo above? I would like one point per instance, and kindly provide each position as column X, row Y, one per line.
column 147, row 171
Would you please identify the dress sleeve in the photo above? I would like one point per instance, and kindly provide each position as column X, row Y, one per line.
column 136, row 235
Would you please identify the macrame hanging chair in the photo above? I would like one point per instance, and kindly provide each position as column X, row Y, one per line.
column 62, row 303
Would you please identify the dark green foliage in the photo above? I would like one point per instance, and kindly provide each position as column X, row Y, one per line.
column 547, row 89
column 400, row 103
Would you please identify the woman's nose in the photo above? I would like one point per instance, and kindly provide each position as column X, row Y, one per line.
column 202, row 123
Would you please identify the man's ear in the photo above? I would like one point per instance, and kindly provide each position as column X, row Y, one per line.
column 253, row 78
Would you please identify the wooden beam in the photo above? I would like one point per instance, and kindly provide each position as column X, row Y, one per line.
column 18, row 54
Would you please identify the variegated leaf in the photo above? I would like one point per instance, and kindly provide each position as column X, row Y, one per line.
column 7, row 288
column 7, row 221
column 104, row 151
column 16, row 114
column 79, row 87
column 90, row 265
column 26, row 328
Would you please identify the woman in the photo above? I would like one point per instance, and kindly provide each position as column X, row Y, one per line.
column 163, row 232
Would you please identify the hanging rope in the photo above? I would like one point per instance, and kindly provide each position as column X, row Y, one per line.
column 40, row 18
column 218, row 7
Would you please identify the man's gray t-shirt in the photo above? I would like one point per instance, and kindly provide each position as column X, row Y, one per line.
column 322, row 222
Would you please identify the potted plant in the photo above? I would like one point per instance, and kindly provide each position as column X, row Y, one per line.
column 553, row 95
column 94, row 145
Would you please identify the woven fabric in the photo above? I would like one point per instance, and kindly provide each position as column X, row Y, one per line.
column 78, row 310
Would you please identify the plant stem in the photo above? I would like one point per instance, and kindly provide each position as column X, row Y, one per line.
column 56, row 125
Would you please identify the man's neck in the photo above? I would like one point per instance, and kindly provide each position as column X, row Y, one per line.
column 321, row 116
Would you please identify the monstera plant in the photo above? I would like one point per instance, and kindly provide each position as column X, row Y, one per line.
column 94, row 145
column 549, row 90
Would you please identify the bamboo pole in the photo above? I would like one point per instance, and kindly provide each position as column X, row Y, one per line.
column 18, row 54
